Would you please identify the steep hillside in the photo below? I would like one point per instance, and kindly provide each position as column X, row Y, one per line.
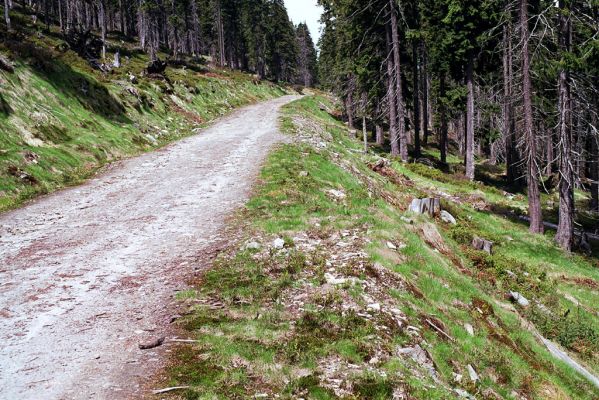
column 335, row 290
column 61, row 119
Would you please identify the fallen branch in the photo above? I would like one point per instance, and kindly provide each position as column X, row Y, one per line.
column 441, row 331
column 169, row 389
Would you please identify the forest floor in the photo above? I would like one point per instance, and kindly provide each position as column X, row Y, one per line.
column 88, row 273
column 330, row 288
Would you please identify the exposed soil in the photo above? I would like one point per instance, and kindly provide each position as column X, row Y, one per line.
column 88, row 274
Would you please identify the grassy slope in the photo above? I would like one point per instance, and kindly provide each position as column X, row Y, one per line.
column 60, row 120
column 267, row 322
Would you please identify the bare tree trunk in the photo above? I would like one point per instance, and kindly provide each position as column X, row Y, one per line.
column 549, row 145
column 7, row 15
column 425, row 105
column 380, row 136
column 470, row 119
column 443, row 117
column 401, row 113
column 391, row 97
column 220, row 34
column 416, row 101
column 532, row 172
column 509, row 137
column 102, row 9
column 594, row 162
column 565, row 228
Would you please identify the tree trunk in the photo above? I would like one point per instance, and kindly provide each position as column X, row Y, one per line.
column 594, row 162
column 549, row 154
column 391, row 97
column 102, row 9
column 416, row 101
column 443, row 117
column 532, row 172
column 365, row 133
column 220, row 35
column 470, row 119
column 565, row 228
column 7, row 15
column 425, row 105
column 380, row 136
column 401, row 113
column 508, row 133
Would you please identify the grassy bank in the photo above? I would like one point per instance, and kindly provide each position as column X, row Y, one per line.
column 335, row 291
column 60, row 119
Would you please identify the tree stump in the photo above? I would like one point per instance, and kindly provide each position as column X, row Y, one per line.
column 482, row 245
column 430, row 206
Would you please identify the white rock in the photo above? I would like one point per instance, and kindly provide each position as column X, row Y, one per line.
column 391, row 246
column 374, row 307
column 252, row 246
column 448, row 218
column 469, row 328
column 278, row 243
column 337, row 194
column 331, row 280
column 457, row 377
column 473, row 375
column 521, row 300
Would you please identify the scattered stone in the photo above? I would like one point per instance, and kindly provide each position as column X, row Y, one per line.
column 483, row 245
column 303, row 174
column 407, row 220
column 133, row 79
column 336, row 194
column 332, row 280
column 518, row 298
column 464, row 394
column 510, row 274
column 152, row 344
column 278, row 243
column 374, row 307
column 457, row 377
column 448, row 218
column 253, row 246
column 430, row 206
column 469, row 328
column 472, row 373
column 353, row 132
column 391, row 246
column 420, row 357
column 490, row 394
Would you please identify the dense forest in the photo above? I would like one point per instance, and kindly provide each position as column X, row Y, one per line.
column 251, row 35
column 511, row 82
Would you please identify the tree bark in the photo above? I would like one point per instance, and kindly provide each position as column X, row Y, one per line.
column 425, row 105
column 443, row 117
column 565, row 228
column 511, row 152
column 7, row 15
column 416, row 96
column 470, row 119
column 401, row 113
column 532, row 175
column 594, row 162
column 391, row 98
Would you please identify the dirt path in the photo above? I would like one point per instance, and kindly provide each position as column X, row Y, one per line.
column 87, row 273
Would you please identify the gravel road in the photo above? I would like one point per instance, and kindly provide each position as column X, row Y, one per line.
column 88, row 273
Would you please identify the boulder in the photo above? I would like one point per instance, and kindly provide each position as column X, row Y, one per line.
column 430, row 206
column 278, row 243
column 448, row 218
column 518, row 298
column 482, row 245
column 472, row 373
